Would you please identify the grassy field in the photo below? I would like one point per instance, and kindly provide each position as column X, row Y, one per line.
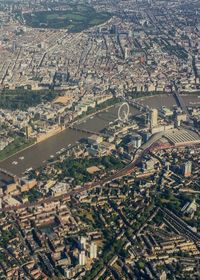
column 22, row 99
column 17, row 145
column 76, row 19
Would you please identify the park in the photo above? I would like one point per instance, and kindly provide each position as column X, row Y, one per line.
column 75, row 19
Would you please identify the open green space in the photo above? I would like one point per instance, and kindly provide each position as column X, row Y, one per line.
column 76, row 19
column 22, row 98
column 17, row 145
column 77, row 168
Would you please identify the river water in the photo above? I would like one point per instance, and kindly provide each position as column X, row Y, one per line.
column 36, row 155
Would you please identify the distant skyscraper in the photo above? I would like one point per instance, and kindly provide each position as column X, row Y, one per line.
column 130, row 34
column 81, row 258
column 93, row 251
column 126, row 53
column 14, row 46
column 187, row 169
column 153, row 118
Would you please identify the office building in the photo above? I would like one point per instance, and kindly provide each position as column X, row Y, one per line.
column 93, row 251
column 187, row 169
column 83, row 242
column 81, row 258
column 153, row 118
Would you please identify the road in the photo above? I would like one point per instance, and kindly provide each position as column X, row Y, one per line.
column 118, row 174
column 36, row 155
column 144, row 149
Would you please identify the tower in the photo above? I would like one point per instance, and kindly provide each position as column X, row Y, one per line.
column 93, row 251
column 130, row 34
column 126, row 53
column 187, row 169
column 81, row 258
column 14, row 46
column 153, row 118
column 147, row 119
column 83, row 242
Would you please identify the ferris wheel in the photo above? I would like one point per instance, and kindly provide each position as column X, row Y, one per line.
column 123, row 112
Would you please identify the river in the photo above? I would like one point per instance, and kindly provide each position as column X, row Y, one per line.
column 36, row 155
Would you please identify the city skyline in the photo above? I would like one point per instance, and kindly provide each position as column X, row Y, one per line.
column 99, row 139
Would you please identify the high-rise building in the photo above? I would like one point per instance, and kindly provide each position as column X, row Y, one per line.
column 81, row 258
column 153, row 118
column 163, row 275
column 83, row 242
column 136, row 140
column 126, row 53
column 130, row 34
column 14, row 46
column 93, row 251
column 187, row 169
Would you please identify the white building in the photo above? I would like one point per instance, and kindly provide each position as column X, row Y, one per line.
column 81, row 258
column 93, row 251
column 83, row 242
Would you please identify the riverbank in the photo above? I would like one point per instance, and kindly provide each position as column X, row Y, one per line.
column 19, row 144
column 39, row 153
column 14, row 148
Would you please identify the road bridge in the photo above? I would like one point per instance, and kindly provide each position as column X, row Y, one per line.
column 3, row 171
column 87, row 131
column 139, row 105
